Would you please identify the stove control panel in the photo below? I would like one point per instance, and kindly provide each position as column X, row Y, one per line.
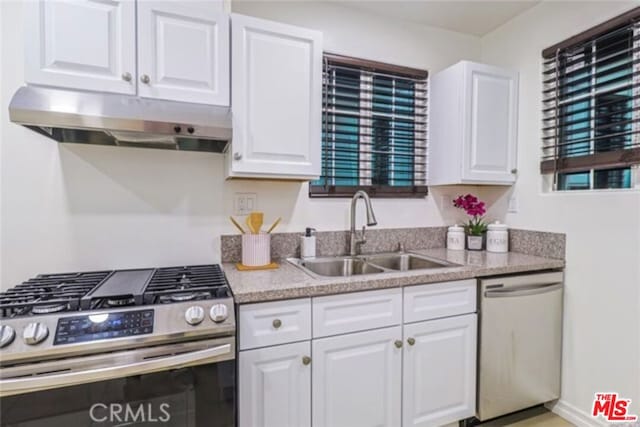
column 93, row 327
column 34, row 333
column 7, row 334
column 219, row 313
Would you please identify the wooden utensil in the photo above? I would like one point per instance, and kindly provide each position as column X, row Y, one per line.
column 249, row 225
column 238, row 226
column 275, row 223
column 254, row 221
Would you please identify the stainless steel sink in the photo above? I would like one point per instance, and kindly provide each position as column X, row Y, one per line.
column 367, row 264
column 405, row 262
column 333, row 267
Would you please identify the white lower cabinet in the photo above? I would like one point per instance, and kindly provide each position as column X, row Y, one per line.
column 439, row 371
column 416, row 374
column 357, row 379
column 275, row 386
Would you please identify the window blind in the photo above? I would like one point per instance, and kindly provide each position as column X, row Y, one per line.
column 591, row 106
column 374, row 130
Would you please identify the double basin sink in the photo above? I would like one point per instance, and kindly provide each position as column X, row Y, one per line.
column 345, row 266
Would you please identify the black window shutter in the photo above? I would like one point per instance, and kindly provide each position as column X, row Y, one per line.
column 591, row 106
column 374, row 130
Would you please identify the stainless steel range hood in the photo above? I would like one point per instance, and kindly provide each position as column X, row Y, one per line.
column 122, row 120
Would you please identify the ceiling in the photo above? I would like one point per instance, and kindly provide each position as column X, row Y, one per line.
column 477, row 17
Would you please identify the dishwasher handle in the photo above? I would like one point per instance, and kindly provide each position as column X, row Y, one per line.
column 522, row 291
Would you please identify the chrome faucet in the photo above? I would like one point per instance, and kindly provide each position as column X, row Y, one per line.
column 371, row 220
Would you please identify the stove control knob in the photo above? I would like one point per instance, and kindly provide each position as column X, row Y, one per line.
column 34, row 333
column 219, row 313
column 7, row 334
column 194, row 315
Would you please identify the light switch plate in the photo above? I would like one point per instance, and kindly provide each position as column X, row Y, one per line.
column 244, row 203
column 513, row 204
column 446, row 201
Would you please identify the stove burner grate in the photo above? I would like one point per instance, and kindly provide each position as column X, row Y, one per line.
column 49, row 293
column 57, row 293
column 176, row 284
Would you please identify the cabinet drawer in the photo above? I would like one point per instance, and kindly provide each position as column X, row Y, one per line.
column 424, row 302
column 339, row 314
column 274, row 323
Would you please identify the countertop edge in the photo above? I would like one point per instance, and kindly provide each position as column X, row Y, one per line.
column 308, row 287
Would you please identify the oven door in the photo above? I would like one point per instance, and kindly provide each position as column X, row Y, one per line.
column 183, row 385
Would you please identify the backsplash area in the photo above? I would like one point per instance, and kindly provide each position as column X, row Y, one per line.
column 331, row 243
column 539, row 243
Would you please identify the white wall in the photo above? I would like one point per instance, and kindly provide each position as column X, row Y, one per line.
column 602, row 319
column 75, row 207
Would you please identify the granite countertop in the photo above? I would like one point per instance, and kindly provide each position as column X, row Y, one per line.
column 289, row 281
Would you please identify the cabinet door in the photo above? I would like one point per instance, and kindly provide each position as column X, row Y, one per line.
column 274, row 386
column 276, row 99
column 490, row 135
column 439, row 382
column 83, row 44
column 183, row 51
column 357, row 379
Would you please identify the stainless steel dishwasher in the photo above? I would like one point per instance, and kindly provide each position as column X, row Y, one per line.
column 520, row 342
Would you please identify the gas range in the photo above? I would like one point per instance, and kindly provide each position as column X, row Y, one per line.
column 54, row 316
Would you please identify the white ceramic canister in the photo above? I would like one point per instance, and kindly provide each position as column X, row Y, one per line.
column 455, row 238
column 497, row 237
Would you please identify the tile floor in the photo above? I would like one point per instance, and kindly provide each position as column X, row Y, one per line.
column 537, row 417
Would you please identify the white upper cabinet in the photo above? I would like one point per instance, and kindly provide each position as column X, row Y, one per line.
column 183, row 51
column 439, row 382
column 177, row 50
column 473, row 125
column 276, row 100
column 84, row 44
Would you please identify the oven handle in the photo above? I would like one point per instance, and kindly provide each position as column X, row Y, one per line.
column 20, row 385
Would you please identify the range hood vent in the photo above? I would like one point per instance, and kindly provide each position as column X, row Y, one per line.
column 122, row 120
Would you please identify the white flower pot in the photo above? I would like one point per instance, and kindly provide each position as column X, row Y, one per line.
column 475, row 243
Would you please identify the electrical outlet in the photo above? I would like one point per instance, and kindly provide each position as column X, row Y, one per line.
column 446, row 202
column 244, row 203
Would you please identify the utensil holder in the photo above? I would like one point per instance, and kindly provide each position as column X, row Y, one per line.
column 256, row 249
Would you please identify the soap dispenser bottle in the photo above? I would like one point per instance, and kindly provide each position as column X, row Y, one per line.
column 308, row 243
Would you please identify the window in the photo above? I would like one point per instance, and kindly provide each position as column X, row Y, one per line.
column 374, row 134
column 591, row 107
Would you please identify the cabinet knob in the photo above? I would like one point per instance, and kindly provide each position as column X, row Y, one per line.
column 145, row 79
column 306, row 360
column 237, row 156
column 398, row 343
column 411, row 341
column 277, row 323
column 126, row 77
column 514, row 170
